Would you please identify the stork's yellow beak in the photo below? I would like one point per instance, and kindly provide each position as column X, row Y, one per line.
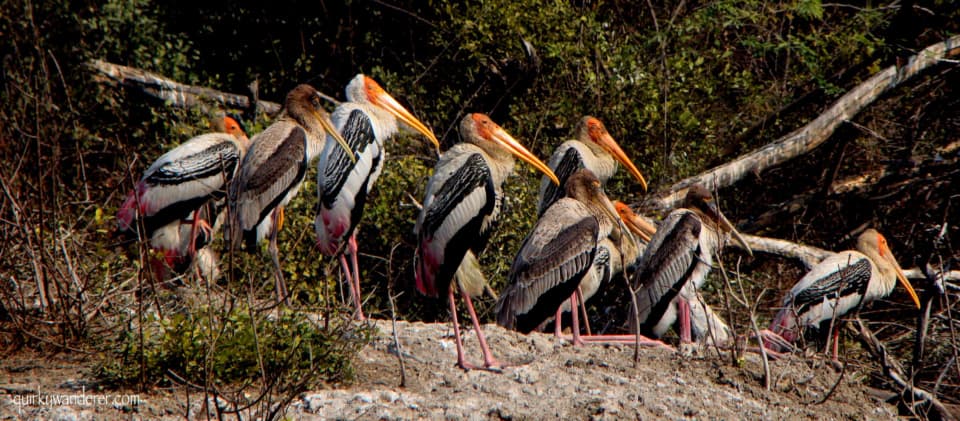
column 381, row 98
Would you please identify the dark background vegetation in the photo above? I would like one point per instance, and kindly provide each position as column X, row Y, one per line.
column 683, row 85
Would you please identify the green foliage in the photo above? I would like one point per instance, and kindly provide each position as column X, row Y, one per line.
column 677, row 92
column 221, row 348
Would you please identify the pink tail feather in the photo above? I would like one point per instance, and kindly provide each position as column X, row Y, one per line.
column 128, row 212
column 785, row 325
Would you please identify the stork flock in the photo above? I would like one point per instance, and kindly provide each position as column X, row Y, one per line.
column 580, row 243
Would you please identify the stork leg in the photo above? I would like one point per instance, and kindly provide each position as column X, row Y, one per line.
column 774, row 342
column 489, row 362
column 281, row 285
column 583, row 306
column 626, row 339
column 574, row 312
column 684, row 316
column 558, row 323
column 192, row 248
column 352, row 244
column 354, row 293
column 461, row 359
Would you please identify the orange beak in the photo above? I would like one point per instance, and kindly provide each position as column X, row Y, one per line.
column 501, row 137
column 888, row 255
column 637, row 225
column 607, row 143
column 381, row 98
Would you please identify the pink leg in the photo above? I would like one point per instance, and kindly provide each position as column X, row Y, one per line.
column 352, row 244
column 461, row 359
column 192, row 249
column 574, row 312
column 774, row 342
column 354, row 295
column 558, row 323
column 583, row 306
column 489, row 362
column 626, row 339
column 684, row 310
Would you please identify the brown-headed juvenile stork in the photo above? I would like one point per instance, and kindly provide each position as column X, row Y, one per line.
column 366, row 121
column 273, row 170
column 676, row 263
column 557, row 256
column 169, row 198
column 593, row 149
column 462, row 202
column 613, row 255
column 841, row 283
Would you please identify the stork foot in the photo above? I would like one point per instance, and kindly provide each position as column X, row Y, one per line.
column 493, row 366
column 775, row 343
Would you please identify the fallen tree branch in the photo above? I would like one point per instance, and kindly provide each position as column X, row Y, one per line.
column 814, row 133
column 174, row 93
column 893, row 370
column 809, row 256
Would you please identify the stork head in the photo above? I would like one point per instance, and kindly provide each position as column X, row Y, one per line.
column 479, row 129
column 232, row 127
column 637, row 225
column 872, row 243
column 366, row 90
column 305, row 105
column 699, row 199
column 584, row 186
column 590, row 129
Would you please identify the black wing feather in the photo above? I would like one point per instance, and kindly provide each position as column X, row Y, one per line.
column 664, row 273
column 850, row 279
column 358, row 132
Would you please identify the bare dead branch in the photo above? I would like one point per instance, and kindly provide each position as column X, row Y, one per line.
column 174, row 93
column 813, row 134
column 893, row 370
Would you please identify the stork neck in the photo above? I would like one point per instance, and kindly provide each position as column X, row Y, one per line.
column 384, row 123
column 500, row 160
column 886, row 273
column 596, row 159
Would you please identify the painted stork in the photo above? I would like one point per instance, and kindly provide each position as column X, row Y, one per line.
column 170, row 197
column 841, row 283
column 593, row 149
column 366, row 121
column 462, row 202
column 612, row 256
column 676, row 263
column 557, row 256
column 273, row 170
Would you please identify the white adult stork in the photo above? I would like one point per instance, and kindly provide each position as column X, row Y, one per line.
column 841, row 283
column 676, row 263
column 462, row 202
column 273, row 170
column 174, row 190
column 558, row 255
column 366, row 121
column 593, row 149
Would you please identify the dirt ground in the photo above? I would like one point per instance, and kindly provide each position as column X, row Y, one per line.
column 552, row 379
